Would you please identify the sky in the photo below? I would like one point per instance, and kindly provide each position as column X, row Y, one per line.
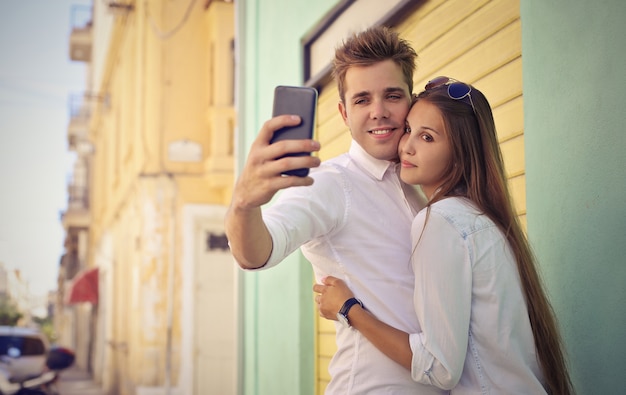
column 36, row 79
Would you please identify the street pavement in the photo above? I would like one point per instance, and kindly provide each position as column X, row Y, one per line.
column 75, row 381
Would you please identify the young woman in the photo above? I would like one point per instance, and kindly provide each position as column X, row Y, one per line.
column 486, row 324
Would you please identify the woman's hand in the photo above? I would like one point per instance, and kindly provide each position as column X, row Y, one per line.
column 394, row 343
column 332, row 294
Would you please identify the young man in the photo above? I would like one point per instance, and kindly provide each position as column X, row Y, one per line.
column 352, row 215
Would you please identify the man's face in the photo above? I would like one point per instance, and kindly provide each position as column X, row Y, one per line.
column 377, row 102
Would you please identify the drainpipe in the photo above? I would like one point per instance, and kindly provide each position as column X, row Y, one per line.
column 170, row 288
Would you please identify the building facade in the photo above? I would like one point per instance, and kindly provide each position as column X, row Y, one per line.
column 152, row 179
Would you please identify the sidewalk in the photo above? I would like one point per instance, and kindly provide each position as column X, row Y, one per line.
column 75, row 381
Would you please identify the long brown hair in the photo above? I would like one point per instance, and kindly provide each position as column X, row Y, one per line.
column 477, row 172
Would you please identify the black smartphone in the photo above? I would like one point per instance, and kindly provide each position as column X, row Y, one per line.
column 296, row 100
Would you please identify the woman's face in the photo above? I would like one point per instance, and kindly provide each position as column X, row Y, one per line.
column 424, row 149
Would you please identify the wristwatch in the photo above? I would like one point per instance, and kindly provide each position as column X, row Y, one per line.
column 342, row 315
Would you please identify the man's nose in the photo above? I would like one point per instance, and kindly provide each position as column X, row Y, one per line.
column 379, row 110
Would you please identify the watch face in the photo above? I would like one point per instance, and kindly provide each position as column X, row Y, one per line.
column 342, row 319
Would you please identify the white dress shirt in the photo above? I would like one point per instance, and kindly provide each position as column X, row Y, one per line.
column 354, row 223
column 475, row 332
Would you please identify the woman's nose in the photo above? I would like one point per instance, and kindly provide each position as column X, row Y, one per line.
column 405, row 146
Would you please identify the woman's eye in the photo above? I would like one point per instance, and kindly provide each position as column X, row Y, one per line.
column 428, row 138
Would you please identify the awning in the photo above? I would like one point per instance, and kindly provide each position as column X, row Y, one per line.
column 84, row 287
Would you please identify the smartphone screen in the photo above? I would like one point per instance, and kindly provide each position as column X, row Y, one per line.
column 296, row 100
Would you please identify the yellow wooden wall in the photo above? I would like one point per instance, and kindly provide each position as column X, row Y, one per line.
column 478, row 42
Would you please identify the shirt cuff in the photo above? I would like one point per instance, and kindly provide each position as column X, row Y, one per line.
column 422, row 361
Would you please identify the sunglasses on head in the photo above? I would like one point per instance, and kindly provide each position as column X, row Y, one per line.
column 457, row 90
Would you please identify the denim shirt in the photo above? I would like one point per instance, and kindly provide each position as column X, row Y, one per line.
column 475, row 333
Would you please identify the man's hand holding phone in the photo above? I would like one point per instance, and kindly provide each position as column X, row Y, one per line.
column 262, row 175
column 283, row 147
column 300, row 101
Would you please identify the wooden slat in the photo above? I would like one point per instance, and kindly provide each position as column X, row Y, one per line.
column 324, row 362
column 336, row 146
column 338, row 127
column 327, row 103
column 517, row 188
column 326, row 326
column 327, row 345
column 503, row 84
column 437, row 22
column 468, row 35
column 513, row 154
column 509, row 118
column 333, row 132
column 494, row 52
column 522, row 220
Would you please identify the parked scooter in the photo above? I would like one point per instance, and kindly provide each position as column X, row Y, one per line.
column 57, row 359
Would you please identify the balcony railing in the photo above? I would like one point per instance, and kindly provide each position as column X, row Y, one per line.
column 78, row 197
column 80, row 37
column 77, row 213
column 78, row 127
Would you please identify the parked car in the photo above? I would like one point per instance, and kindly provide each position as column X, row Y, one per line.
column 23, row 353
column 28, row 366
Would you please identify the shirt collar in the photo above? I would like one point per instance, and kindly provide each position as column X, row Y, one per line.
column 373, row 166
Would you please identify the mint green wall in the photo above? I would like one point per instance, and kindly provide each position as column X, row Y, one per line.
column 574, row 59
column 277, row 314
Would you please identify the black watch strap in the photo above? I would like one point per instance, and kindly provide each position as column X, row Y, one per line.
column 345, row 309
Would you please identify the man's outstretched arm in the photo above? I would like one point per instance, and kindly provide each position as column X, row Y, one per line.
column 260, row 179
column 250, row 242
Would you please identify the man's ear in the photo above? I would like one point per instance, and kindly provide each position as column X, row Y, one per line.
column 343, row 112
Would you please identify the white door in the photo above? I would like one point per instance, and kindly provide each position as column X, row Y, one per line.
column 211, row 301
